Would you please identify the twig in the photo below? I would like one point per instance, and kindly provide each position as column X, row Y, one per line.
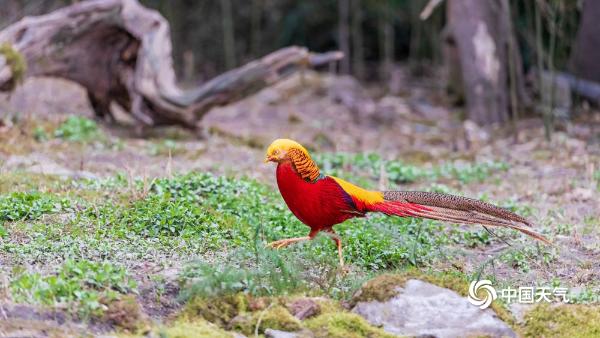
column 429, row 8
column 494, row 234
column 260, row 318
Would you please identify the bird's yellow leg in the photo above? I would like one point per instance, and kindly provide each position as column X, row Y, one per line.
column 338, row 242
column 282, row 243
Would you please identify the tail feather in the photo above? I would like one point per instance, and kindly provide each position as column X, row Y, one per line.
column 453, row 208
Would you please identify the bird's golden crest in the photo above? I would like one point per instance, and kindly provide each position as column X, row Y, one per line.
column 289, row 150
column 278, row 150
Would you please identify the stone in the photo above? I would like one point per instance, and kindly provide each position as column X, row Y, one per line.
column 270, row 333
column 304, row 308
column 424, row 309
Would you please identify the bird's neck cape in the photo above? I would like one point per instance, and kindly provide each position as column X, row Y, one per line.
column 304, row 165
column 309, row 171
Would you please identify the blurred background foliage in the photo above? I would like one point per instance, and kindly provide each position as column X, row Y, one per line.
column 200, row 30
column 542, row 47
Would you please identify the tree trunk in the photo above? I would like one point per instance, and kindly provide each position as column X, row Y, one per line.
column 585, row 60
column 9, row 11
column 228, row 33
column 386, row 39
column 257, row 9
column 344, row 34
column 481, row 32
column 120, row 52
column 358, row 54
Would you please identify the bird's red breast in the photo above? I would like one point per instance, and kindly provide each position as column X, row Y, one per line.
column 319, row 204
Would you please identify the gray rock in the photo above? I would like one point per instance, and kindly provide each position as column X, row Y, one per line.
column 424, row 309
column 270, row 333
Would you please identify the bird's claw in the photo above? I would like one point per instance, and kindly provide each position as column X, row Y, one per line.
column 278, row 244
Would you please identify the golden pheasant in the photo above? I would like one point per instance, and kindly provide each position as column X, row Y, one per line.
column 321, row 201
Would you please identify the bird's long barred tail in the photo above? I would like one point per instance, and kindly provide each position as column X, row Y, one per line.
column 452, row 208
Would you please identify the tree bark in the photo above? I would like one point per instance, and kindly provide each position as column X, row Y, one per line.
column 386, row 39
column 120, row 52
column 585, row 60
column 344, row 34
column 228, row 33
column 255, row 27
column 481, row 32
column 358, row 54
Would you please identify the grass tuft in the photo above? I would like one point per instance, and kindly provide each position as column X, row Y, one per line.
column 85, row 287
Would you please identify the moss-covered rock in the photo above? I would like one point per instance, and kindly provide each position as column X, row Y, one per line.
column 16, row 62
column 380, row 288
column 384, row 287
column 343, row 325
column 218, row 310
column 565, row 320
column 276, row 317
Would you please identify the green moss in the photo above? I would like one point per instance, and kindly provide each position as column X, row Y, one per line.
column 383, row 287
column 380, row 288
column 16, row 62
column 197, row 329
column 219, row 310
column 563, row 321
column 343, row 325
column 329, row 306
column 185, row 329
column 276, row 317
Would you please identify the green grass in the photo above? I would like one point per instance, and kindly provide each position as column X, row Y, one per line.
column 201, row 213
column 76, row 128
column 85, row 287
column 29, row 205
column 195, row 215
column 371, row 164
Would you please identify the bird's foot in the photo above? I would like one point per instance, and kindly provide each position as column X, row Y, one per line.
column 282, row 243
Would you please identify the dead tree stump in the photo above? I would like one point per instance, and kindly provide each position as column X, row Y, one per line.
column 120, row 51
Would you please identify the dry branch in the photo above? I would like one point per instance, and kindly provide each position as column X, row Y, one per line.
column 120, row 52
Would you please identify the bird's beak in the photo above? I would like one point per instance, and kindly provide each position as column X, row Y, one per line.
column 270, row 159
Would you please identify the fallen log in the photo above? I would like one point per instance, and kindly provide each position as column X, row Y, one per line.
column 587, row 89
column 120, row 51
